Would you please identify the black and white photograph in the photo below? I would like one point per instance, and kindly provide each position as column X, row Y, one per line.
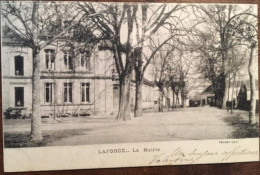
column 106, row 74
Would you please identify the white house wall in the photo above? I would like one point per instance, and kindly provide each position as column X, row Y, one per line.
column 147, row 96
column 99, row 77
column 8, row 54
column 10, row 80
column 8, row 92
column 104, row 63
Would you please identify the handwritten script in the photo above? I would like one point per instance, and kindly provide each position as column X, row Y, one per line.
column 178, row 155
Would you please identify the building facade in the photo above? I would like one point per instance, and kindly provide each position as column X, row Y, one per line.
column 79, row 85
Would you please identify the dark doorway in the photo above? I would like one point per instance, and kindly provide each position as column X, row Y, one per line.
column 203, row 102
column 209, row 101
column 19, row 96
column 18, row 62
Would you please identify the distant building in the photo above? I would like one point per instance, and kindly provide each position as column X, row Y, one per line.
column 240, row 94
column 207, row 97
column 243, row 99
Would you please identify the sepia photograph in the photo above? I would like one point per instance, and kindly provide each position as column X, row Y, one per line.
column 142, row 74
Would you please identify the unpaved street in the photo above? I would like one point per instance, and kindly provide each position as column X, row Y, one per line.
column 183, row 124
column 198, row 123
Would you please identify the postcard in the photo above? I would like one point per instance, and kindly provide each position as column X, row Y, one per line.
column 100, row 85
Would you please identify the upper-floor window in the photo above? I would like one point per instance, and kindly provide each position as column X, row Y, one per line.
column 85, row 60
column 49, row 92
column 68, row 62
column 49, row 59
column 18, row 65
column 67, row 92
column 85, row 92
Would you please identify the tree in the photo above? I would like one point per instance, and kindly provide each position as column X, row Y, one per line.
column 160, row 66
column 184, row 64
column 38, row 25
column 153, row 19
column 242, row 28
column 252, row 117
column 113, row 19
column 236, row 63
column 128, row 53
column 218, row 17
column 208, row 61
column 173, row 82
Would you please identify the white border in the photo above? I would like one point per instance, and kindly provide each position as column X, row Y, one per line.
column 164, row 153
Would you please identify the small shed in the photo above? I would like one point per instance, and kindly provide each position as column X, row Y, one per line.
column 207, row 97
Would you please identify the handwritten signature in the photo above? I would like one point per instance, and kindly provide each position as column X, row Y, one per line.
column 178, row 155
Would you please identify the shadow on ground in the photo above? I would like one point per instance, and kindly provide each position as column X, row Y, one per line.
column 242, row 129
column 22, row 139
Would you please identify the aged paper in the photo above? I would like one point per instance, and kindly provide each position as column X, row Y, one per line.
column 102, row 85
column 130, row 155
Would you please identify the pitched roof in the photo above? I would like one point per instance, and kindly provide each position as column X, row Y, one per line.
column 148, row 82
column 209, row 89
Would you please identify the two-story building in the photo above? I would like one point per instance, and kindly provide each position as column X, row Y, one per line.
column 72, row 84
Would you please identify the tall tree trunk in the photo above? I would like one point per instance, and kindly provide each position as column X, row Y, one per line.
column 167, row 100
column 232, row 101
column 138, row 99
column 252, row 117
column 173, row 100
column 224, row 59
column 227, row 102
column 124, row 99
column 138, row 111
column 183, row 101
column 177, row 100
column 160, row 104
column 225, row 95
column 36, row 131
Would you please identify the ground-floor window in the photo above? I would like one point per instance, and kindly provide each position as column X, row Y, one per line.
column 49, row 92
column 19, row 96
column 18, row 64
column 85, row 92
column 68, row 92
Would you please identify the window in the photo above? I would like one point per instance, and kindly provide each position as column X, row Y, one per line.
column 49, row 92
column 49, row 59
column 85, row 92
column 68, row 60
column 116, row 96
column 67, row 92
column 18, row 64
column 19, row 96
column 84, row 60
